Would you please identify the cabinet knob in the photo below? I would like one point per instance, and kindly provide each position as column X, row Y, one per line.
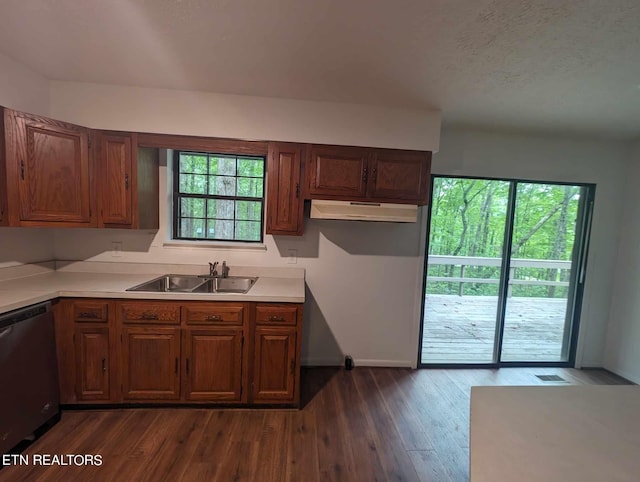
column 364, row 175
column 22, row 170
column 104, row 364
column 126, row 181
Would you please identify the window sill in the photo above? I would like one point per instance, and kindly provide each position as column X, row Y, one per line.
column 230, row 245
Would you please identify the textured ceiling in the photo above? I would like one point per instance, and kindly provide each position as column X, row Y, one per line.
column 549, row 65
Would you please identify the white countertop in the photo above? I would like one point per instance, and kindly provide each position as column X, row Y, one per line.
column 22, row 291
column 556, row 433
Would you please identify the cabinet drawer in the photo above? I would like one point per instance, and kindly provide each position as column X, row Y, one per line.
column 211, row 313
column 150, row 312
column 90, row 311
column 276, row 314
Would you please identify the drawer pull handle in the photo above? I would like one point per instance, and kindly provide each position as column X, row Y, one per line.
column 149, row 316
column 104, row 364
column 276, row 318
column 214, row 318
column 89, row 314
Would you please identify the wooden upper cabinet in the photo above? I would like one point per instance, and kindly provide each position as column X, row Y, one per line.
column 128, row 182
column 284, row 201
column 399, row 175
column 49, row 161
column 338, row 171
column 370, row 175
column 115, row 159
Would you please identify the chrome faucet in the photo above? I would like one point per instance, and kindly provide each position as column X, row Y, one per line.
column 213, row 271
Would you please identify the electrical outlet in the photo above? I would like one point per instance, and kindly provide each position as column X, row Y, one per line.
column 116, row 249
column 292, row 256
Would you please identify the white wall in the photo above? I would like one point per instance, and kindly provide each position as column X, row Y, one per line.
column 361, row 279
column 478, row 153
column 348, row 264
column 622, row 354
column 362, row 297
column 243, row 117
column 25, row 245
column 21, row 88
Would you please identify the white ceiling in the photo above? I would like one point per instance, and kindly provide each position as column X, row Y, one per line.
column 567, row 66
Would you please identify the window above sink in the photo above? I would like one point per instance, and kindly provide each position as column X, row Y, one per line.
column 218, row 197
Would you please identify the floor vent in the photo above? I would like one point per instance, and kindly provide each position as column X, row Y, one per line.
column 551, row 378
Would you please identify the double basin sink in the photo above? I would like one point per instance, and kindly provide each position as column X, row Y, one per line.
column 181, row 283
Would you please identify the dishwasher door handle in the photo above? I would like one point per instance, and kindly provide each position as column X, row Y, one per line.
column 6, row 331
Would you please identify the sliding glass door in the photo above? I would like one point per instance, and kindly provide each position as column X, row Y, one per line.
column 504, row 270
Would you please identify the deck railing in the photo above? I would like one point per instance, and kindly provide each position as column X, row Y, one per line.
column 462, row 262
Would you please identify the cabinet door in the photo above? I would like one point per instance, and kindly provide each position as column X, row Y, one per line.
column 150, row 363
column 50, row 163
column 213, row 364
column 116, row 183
column 338, row 172
column 399, row 175
column 92, row 363
column 284, row 204
column 274, row 370
column 4, row 216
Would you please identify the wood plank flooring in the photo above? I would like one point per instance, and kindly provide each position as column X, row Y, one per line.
column 369, row 424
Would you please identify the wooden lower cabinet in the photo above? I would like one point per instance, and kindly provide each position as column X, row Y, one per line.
column 274, row 365
column 144, row 351
column 213, row 364
column 92, row 363
column 150, row 363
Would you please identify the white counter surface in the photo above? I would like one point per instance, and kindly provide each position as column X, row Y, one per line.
column 557, row 433
column 22, row 291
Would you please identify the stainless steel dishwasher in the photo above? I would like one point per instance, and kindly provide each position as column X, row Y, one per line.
column 29, row 396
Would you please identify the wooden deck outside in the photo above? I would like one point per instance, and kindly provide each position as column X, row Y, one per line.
column 461, row 329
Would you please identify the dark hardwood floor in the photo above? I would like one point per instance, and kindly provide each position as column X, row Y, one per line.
column 369, row 424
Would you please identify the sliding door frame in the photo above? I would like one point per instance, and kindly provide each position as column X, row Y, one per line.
column 575, row 295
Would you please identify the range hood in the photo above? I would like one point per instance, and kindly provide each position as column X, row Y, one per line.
column 364, row 211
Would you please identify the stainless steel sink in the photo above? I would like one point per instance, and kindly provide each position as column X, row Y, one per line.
column 181, row 283
column 232, row 284
column 171, row 283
